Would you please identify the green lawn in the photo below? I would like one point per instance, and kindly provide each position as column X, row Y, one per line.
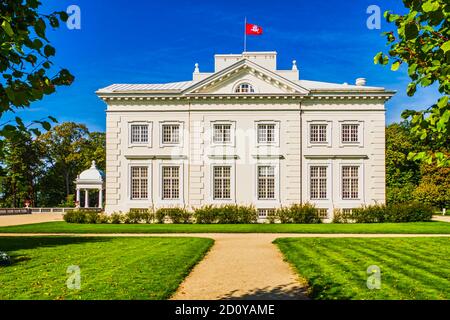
column 111, row 268
column 411, row 268
column 63, row 227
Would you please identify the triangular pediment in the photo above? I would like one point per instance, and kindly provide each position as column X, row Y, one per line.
column 244, row 71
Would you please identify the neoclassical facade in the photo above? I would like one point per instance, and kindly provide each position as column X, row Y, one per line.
column 247, row 133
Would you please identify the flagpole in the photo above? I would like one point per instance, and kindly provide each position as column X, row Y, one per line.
column 245, row 34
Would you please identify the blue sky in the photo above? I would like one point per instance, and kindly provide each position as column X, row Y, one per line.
column 139, row 41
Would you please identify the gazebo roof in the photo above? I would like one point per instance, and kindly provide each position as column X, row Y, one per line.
column 91, row 175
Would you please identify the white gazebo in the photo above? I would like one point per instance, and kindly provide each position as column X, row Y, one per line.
column 90, row 179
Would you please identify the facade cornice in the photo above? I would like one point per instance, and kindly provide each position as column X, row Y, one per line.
column 133, row 97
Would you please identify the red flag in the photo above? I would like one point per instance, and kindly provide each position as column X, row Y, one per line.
column 253, row 29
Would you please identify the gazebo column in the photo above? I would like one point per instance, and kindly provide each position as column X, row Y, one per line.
column 100, row 198
column 86, row 198
column 78, row 199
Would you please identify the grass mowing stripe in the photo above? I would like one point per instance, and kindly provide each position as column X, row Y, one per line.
column 342, row 263
column 399, row 278
column 419, row 265
column 361, row 261
column 111, row 268
column 405, row 278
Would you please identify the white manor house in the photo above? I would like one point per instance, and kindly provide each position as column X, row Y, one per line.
column 246, row 133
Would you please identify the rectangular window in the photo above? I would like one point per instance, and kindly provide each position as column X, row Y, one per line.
column 266, row 133
column 170, row 182
column 350, row 133
column 139, row 133
column 265, row 213
column 266, row 182
column 222, row 182
column 170, row 133
column 322, row 213
column 318, row 133
column 139, row 183
column 318, row 182
column 222, row 133
column 350, row 177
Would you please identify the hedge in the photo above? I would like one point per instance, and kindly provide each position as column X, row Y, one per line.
column 379, row 213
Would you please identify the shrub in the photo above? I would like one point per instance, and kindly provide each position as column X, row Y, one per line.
column 370, row 214
column 206, row 214
column 117, row 217
column 409, row 212
column 229, row 213
column 149, row 216
column 135, row 216
column 378, row 213
column 102, row 218
column 91, row 217
column 341, row 216
column 176, row 215
column 75, row 216
column 298, row 213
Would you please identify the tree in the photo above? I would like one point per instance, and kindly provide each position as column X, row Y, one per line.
column 25, row 59
column 402, row 175
column 64, row 144
column 95, row 149
column 21, row 168
column 422, row 41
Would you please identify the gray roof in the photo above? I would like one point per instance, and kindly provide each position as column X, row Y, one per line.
column 170, row 86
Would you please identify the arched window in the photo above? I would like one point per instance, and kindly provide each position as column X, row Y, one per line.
column 245, row 88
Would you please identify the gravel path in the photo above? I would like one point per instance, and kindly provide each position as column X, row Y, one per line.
column 442, row 218
column 240, row 265
column 14, row 220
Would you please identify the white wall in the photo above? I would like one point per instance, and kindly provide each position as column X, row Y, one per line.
column 196, row 116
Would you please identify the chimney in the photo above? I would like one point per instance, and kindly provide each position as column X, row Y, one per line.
column 361, row 82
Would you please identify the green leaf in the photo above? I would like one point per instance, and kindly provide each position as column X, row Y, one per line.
column 53, row 119
column 430, row 6
column 7, row 27
column 49, row 50
column 443, row 102
column 46, row 125
column 39, row 27
column 446, row 46
column 395, row 65
column 411, row 31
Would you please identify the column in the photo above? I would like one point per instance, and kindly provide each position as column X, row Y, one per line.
column 86, row 198
column 100, row 198
column 78, row 198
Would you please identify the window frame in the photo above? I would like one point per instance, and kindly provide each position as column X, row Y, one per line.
column 319, row 178
column 232, row 165
column 267, row 203
column 260, row 217
column 328, row 142
column 329, row 187
column 180, row 124
column 149, row 125
column 242, row 83
column 360, row 181
column 360, row 142
column 276, row 125
column 266, row 177
column 232, row 132
column 180, row 199
column 148, row 199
